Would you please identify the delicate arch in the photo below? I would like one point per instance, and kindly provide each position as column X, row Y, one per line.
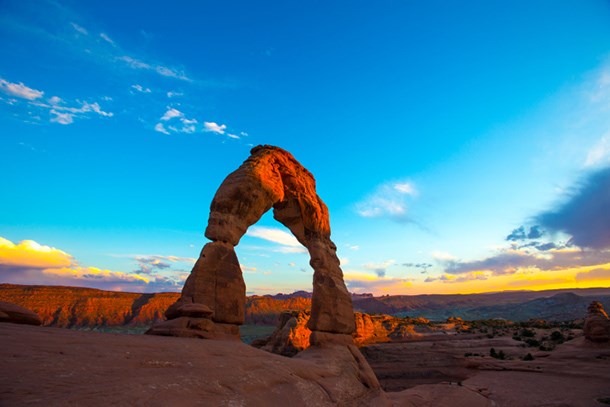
column 213, row 298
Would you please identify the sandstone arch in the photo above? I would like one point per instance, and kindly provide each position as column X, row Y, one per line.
column 213, row 298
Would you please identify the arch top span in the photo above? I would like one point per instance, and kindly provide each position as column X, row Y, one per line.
column 270, row 178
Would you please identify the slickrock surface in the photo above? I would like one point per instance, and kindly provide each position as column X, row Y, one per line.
column 269, row 178
column 18, row 315
column 57, row 367
column 597, row 324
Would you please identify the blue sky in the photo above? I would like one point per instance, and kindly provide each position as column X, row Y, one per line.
column 434, row 131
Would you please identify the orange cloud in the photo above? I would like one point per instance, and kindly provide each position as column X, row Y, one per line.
column 28, row 253
column 29, row 262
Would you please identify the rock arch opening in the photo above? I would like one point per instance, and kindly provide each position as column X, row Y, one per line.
column 212, row 302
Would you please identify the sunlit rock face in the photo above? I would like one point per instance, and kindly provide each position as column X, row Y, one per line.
column 597, row 324
column 269, row 178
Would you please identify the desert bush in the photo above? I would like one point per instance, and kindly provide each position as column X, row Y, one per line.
column 557, row 336
column 528, row 357
column 497, row 355
column 528, row 333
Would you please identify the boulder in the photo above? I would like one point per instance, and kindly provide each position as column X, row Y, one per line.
column 18, row 315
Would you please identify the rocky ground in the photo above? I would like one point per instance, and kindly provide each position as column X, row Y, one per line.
column 52, row 366
column 574, row 373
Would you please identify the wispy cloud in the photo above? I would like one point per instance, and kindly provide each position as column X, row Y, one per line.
column 148, row 264
column 20, row 90
column 140, row 88
column 274, row 235
column 160, row 69
column 360, row 282
column 79, row 29
column 390, row 200
column 58, row 110
column 159, row 127
column 380, row 268
column 106, row 38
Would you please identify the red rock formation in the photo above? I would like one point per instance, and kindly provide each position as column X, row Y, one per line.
column 88, row 307
column 269, row 178
column 292, row 334
column 18, row 315
column 597, row 324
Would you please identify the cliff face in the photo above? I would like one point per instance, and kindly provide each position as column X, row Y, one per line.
column 87, row 307
column 267, row 310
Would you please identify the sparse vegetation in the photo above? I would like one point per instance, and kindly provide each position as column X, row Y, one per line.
column 498, row 355
column 527, row 333
column 528, row 357
column 557, row 336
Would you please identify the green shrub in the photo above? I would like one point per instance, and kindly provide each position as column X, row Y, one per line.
column 557, row 336
column 528, row 333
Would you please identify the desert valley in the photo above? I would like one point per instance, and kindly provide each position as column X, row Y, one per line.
column 91, row 335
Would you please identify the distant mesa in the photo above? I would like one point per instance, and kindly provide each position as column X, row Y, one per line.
column 269, row 178
column 597, row 325
column 18, row 315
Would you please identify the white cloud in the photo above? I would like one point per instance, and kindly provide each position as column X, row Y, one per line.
column 274, row 235
column 161, row 129
column 140, row 88
column 388, row 200
column 106, row 38
column 62, row 118
column 404, row 188
column 79, row 29
column 55, row 100
column 233, row 136
column 442, row 256
column 214, row 127
column 171, row 113
column 174, row 94
column 20, row 90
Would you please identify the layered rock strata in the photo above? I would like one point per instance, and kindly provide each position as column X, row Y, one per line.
column 269, row 178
